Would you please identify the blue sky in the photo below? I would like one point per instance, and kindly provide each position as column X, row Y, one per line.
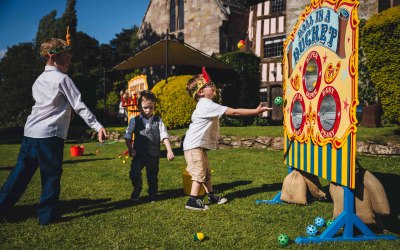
column 101, row 19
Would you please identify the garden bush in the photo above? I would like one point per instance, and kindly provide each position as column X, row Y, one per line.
column 174, row 105
column 381, row 44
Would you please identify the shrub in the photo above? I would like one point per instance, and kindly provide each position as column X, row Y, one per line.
column 381, row 44
column 367, row 94
column 174, row 105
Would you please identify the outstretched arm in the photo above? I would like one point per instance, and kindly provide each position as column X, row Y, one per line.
column 247, row 112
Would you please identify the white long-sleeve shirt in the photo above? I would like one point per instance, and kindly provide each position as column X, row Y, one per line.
column 55, row 96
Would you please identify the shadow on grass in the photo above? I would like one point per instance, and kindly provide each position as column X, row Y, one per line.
column 21, row 213
column 85, row 160
column 90, row 207
column 6, row 168
column 163, row 195
column 391, row 183
column 251, row 191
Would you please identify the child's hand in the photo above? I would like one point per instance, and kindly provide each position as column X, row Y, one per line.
column 102, row 135
column 170, row 155
column 132, row 152
column 261, row 109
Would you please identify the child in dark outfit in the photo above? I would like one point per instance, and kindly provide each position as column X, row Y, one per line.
column 148, row 131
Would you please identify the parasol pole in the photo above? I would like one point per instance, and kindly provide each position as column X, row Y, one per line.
column 166, row 57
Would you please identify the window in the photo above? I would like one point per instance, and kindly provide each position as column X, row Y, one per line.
column 181, row 12
column 172, row 16
column 277, row 6
column 273, row 47
column 176, row 15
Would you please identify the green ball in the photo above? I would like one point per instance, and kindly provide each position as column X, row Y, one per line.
column 278, row 101
column 283, row 239
column 329, row 222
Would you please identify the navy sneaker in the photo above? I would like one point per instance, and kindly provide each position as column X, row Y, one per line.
column 196, row 204
column 216, row 199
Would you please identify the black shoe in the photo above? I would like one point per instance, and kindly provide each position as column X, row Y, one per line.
column 216, row 199
column 135, row 195
column 196, row 204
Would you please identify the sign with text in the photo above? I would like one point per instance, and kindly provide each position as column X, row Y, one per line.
column 320, row 91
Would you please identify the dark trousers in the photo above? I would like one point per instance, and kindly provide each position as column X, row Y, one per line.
column 47, row 153
column 151, row 164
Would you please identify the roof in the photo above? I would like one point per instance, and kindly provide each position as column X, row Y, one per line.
column 178, row 54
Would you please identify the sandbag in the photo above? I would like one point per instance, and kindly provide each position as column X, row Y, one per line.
column 294, row 188
column 363, row 204
column 314, row 186
column 380, row 203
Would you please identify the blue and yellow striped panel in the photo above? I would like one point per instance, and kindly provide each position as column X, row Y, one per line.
column 337, row 165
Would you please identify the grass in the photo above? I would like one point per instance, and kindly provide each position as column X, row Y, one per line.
column 381, row 135
column 98, row 215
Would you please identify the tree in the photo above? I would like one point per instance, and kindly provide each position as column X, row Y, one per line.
column 85, row 68
column 47, row 28
column 68, row 19
column 19, row 68
column 125, row 43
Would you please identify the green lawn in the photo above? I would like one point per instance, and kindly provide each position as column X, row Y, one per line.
column 379, row 135
column 98, row 215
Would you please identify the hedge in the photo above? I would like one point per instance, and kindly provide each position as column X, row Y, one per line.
column 381, row 44
column 174, row 105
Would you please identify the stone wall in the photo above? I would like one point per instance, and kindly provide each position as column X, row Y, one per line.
column 202, row 19
column 276, row 143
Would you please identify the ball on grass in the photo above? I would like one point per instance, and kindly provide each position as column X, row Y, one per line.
column 319, row 222
column 311, row 230
column 198, row 236
column 283, row 239
column 329, row 222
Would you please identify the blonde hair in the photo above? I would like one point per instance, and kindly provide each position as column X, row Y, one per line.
column 194, row 85
column 53, row 46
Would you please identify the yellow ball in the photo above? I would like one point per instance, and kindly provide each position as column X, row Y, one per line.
column 123, row 161
column 199, row 237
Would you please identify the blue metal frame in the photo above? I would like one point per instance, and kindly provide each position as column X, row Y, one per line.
column 347, row 219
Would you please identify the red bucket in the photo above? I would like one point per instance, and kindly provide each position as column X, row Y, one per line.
column 77, row 150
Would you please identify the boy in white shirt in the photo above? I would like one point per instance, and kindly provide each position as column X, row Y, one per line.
column 45, row 130
column 203, row 134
